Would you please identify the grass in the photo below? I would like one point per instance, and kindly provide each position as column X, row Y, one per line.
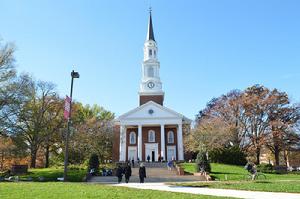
column 49, row 190
column 51, row 174
column 232, row 177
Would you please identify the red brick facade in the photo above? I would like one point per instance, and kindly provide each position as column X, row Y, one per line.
column 116, row 144
column 159, row 99
column 144, row 140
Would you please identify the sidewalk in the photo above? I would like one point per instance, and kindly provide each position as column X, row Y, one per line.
column 212, row 192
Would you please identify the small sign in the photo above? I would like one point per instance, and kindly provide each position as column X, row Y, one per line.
column 67, row 107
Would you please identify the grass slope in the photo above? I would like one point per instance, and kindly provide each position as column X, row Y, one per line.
column 235, row 179
column 59, row 190
column 51, row 174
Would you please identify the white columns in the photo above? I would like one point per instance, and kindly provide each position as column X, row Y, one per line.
column 140, row 154
column 162, row 138
column 180, row 142
column 122, row 151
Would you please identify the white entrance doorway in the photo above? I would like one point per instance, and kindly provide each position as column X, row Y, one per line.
column 132, row 153
column 152, row 151
column 171, row 152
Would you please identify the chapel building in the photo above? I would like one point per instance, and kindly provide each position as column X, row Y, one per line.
column 151, row 129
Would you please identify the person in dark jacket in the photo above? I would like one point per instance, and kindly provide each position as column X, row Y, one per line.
column 127, row 172
column 148, row 158
column 119, row 173
column 142, row 173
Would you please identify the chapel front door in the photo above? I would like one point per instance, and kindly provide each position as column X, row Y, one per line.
column 153, row 156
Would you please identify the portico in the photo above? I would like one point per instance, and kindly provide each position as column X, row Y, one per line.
column 151, row 135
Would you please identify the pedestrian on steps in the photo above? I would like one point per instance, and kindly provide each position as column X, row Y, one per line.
column 142, row 173
column 170, row 165
column 127, row 172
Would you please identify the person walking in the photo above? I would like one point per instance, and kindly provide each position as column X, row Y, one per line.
column 170, row 165
column 142, row 173
column 148, row 158
column 127, row 172
column 119, row 173
column 132, row 162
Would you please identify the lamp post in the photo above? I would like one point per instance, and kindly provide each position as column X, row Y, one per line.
column 73, row 75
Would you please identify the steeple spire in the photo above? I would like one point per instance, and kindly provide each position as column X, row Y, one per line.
column 150, row 34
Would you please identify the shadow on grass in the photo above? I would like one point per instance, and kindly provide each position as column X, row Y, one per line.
column 263, row 182
column 228, row 173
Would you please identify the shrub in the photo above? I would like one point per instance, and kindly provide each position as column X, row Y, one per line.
column 202, row 163
column 94, row 163
column 228, row 155
column 265, row 168
column 77, row 167
column 56, row 160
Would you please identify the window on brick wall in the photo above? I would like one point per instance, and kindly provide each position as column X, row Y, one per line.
column 151, row 136
column 132, row 138
column 170, row 137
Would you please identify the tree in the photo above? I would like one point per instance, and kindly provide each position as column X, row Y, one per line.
column 92, row 133
column 7, row 68
column 218, row 120
column 250, row 119
column 254, row 118
column 7, row 73
column 30, row 121
column 55, row 124
column 283, row 122
column 202, row 163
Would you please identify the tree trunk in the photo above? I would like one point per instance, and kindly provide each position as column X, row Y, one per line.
column 257, row 156
column 276, row 154
column 2, row 161
column 33, row 157
column 47, row 152
column 286, row 158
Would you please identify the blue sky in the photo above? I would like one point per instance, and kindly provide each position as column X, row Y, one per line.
column 206, row 48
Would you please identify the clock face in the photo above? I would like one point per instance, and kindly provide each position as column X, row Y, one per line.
column 151, row 85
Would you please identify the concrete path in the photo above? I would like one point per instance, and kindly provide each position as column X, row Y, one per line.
column 212, row 192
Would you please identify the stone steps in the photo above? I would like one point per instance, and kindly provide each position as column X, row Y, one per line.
column 153, row 175
column 155, row 164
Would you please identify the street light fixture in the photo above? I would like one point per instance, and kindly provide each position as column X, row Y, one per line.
column 73, row 75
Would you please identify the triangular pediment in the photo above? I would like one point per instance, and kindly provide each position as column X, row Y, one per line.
column 151, row 110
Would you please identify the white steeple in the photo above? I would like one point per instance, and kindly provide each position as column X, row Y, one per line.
column 150, row 84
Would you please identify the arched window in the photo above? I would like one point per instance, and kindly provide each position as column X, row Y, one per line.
column 170, row 137
column 132, row 138
column 150, row 52
column 150, row 71
column 151, row 136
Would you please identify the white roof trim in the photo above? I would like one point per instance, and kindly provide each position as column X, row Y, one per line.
column 185, row 119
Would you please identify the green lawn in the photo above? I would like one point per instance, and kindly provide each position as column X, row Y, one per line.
column 220, row 171
column 235, row 179
column 231, row 172
column 51, row 174
column 57, row 190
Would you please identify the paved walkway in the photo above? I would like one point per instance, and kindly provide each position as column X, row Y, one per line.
column 212, row 192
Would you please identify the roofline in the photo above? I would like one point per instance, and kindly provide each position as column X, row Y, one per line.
column 184, row 119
